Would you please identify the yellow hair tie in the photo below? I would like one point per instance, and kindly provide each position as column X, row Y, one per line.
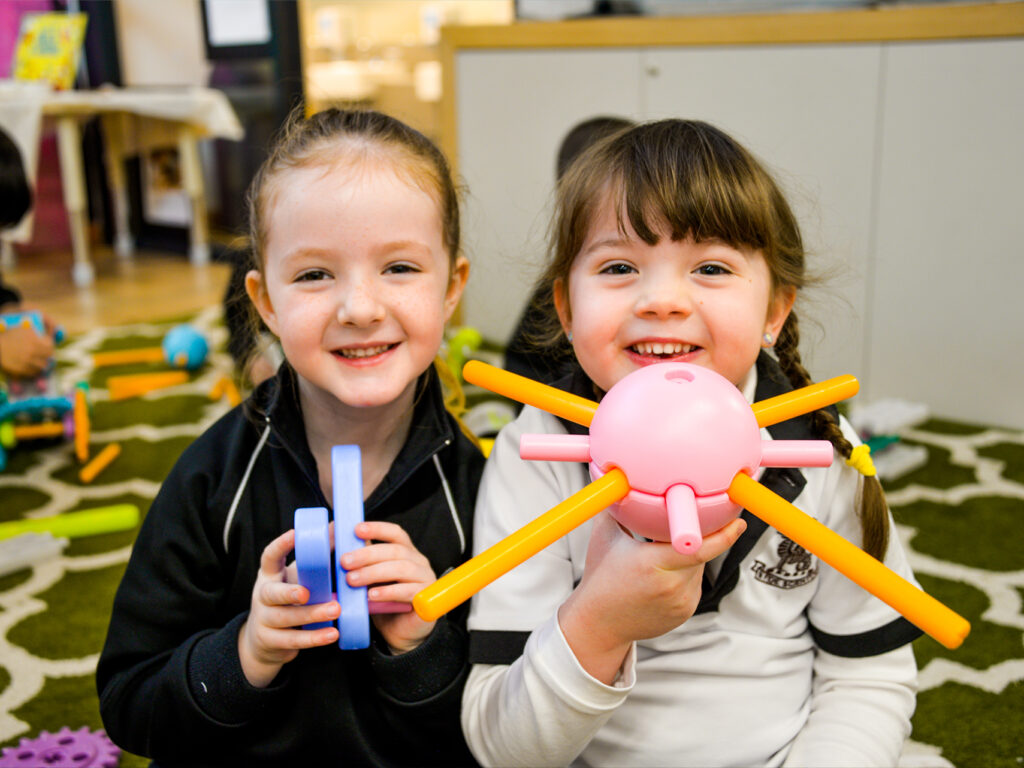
column 860, row 459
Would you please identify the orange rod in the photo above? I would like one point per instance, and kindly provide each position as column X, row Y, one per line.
column 122, row 387
column 126, row 356
column 81, row 420
column 459, row 585
column 804, row 400
column 921, row 609
column 555, row 401
column 100, row 462
column 32, row 431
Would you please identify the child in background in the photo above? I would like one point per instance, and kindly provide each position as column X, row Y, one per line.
column 355, row 230
column 671, row 242
column 23, row 352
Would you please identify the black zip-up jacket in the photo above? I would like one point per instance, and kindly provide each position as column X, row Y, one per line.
column 170, row 682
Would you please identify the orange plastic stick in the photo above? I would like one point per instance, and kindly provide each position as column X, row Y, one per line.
column 804, row 400
column 126, row 356
column 555, row 401
column 122, row 387
column 459, row 585
column 921, row 609
column 33, row 431
column 101, row 461
column 81, row 417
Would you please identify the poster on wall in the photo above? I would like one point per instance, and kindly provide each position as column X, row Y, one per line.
column 49, row 47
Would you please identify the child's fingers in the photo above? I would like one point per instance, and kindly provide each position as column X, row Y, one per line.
column 402, row 592
column 295, row 639
column 379, row 553
column 716, row 543
column 272, row 561
column 392, row 571
column 378, row 530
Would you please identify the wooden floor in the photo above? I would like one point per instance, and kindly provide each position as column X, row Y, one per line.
column 150, row 286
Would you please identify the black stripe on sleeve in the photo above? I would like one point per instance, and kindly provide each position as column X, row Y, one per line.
column 893, row 635
column 496, row 647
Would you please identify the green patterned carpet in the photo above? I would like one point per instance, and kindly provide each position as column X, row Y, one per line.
column 959, row 516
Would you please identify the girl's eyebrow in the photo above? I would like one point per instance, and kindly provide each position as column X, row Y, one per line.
column 604, row 242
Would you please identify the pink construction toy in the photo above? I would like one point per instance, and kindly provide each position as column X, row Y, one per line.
column 65, row 749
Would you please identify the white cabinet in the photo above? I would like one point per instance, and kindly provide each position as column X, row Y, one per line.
column 903, row 160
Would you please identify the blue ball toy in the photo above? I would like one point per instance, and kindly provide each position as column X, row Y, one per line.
column 185, row 347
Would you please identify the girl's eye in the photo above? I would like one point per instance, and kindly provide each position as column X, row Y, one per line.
column 400, row 269
column 712, row 269
column 312, row 274
column 618, row 269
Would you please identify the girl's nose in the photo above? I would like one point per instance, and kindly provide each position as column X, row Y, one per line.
column 360, row 306
column 664, row 298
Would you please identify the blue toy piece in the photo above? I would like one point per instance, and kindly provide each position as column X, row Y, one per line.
column 312, row 548
column 185, row 347
column 313, row 556
column 347, row 479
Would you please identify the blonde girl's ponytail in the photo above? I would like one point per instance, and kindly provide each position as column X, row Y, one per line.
column 874, row 512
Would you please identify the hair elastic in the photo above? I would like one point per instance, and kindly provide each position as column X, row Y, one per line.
column 860, row 459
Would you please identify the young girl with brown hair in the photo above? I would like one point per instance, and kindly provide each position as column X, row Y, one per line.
column 671, row 242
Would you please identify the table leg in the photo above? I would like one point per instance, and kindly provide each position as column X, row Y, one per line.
column 69, row 146
column 192, row 180
column 114, row 137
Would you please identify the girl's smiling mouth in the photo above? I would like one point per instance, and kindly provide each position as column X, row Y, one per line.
column 660, row 351
column 365, row 353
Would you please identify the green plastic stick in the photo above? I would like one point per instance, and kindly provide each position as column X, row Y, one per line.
column 87, row 522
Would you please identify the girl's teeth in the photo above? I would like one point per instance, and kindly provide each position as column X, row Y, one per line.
column 661, row 349
column 365, row 352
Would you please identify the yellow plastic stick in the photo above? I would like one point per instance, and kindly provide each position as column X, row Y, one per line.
column 804, row 400
column 555, row 401
column 86, row 522
column 459, row 585
column 127, row 356
column 123, row 387
column 101, row 461
column 921, row 609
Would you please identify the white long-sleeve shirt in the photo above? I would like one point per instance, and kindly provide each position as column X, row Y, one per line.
column 787, row 662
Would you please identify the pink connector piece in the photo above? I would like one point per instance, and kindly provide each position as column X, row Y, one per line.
column 680, row 472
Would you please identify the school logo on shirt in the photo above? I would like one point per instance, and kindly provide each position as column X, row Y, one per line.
column 794, row 568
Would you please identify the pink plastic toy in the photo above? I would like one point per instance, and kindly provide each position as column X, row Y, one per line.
column 673, row 450
column 679, row 474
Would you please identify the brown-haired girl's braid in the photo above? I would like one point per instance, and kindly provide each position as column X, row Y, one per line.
column 874, row 512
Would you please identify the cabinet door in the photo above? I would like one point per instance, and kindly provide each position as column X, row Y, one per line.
column 948, row 321
column 514, row 107
column 810, row 113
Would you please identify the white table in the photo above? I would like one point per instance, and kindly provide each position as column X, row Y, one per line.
column 133, row 119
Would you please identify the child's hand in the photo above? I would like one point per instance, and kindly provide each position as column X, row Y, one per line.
column 633, row 590
column 395, row 571
column 23, row 352
column 272, row 635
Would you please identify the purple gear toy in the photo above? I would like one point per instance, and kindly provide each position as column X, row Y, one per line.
column 65, row 749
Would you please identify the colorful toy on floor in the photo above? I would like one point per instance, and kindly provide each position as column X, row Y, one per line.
column 64, row 749
column 182, row 347
column 85, row 522
column 225, row 387
column 687, row 473
column 28, row 549
column 313, row 552
column 102, row 460
column 32, row 409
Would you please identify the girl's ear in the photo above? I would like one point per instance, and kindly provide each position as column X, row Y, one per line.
column 779, row 309
column 561, row 297
column 456, row 284
column 257, row 291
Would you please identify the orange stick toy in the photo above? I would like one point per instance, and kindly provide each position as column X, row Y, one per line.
column 700, row 434
column 100, row 462
column 127, row 356
column 123, row 387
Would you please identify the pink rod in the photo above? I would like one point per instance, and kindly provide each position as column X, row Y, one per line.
column 555, row 447
column 683, row 522
column 796, row 453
